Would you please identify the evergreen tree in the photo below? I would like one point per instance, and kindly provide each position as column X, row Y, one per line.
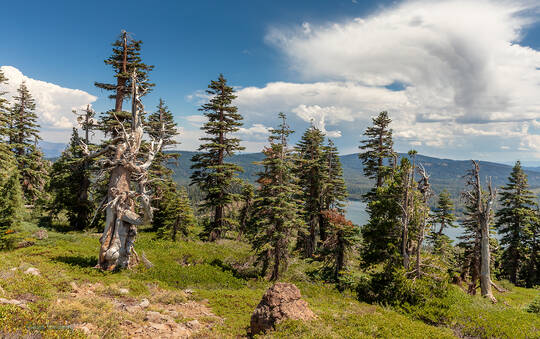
column 161, row 124
column 444, row 217
column 342, row 238
column 11, row 197
column 335, row 191
column 213, row 175
column 69, row 184
column 377, row 149
column 277, row 213
column 125, row 59
column 23, row 136
column 515, row 222
column 4, row 110
column 245, row 215
column 313, row 174
column 174, row 213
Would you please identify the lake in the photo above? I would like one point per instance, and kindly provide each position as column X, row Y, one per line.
column 356, row 212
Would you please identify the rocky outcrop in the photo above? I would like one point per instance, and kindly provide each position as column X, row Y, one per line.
column 280, row 302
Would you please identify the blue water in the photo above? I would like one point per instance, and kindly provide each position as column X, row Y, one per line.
column 356, row 212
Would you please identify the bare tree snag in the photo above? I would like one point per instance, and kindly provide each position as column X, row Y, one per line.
column 425, row 189
column 484, row 205
column 122, row 159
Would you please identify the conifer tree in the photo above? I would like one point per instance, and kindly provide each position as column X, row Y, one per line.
column 23, row 137
column 4, row 110
column 70, row 183
column 125, row 59
column 312, row 174
column 515, row 222
column 335, row 191
column 245, row 216
column 277, row 213
column 160, row 124
column 11, row 196
column 212, row 173
column 444, row 217
column 342, row 238
column 377, row 149
column 174, row 214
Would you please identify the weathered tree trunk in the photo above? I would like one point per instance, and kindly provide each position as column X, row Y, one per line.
column 485, row 274
column 116, row 251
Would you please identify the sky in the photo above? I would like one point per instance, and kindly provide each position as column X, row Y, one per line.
column 460, row 79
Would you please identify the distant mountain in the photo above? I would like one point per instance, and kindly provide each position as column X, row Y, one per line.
column 445, row 173
column 51, row 149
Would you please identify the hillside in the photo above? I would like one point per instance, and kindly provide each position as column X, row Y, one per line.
column 209, row 290
column 445, row 173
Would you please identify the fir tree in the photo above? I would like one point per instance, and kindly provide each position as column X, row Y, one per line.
column 343, row 236
column 312, row 174
column 125, row 59
column 11, row 197
column 515, row 222
column 161, row 124
column 212, row 173
column 174, row 214
column 245, row 216
column 444, row 217
column 70, row 183
column 4, row 110
column 23, row 137
column 377, row 149
column 277, row 214
column 335, row 191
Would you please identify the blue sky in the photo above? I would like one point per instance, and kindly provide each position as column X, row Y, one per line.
column 461, row 79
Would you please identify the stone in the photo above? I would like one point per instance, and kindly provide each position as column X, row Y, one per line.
column 193, row 324
column 144, row 303
column 280, row 302
column 41, row 234
column 123, row 291
column 74, row 286
column 32, row 271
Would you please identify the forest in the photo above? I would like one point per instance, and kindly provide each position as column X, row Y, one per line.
column 90, row 239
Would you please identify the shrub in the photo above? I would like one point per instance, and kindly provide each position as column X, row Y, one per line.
column 534, row 307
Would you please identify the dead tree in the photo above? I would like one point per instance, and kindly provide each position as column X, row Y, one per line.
column 483, row 204
column 122, row 159
column 425, row 190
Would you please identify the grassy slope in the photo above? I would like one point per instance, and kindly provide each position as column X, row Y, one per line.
column 217, row 272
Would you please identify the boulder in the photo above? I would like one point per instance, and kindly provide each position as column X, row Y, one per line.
column 32, row 271
column 280, row 302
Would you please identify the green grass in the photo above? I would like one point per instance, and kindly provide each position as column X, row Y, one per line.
column 220, row 277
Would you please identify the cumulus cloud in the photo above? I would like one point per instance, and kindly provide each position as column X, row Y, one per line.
column 54, row 103
column 448, row 84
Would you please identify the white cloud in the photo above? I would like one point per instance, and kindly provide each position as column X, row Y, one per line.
column 53, row 103
column 451, row 73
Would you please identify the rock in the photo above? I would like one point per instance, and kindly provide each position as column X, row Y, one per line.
column 123, row 291
column 32, row 271
column 74, row 286
column 144, row 303
column 13, row 302
column 156, row 317
column 188, row 291
column 281, row 301
column 41, row 234
column 193, row 324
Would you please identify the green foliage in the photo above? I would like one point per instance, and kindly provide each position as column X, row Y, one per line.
column 23, row 135
column 342, row 239
column 377, row 149
column 534, row 306
column 11, row 208
column 312, row 174
column 70, row 184
column 128, row 50
column 277, row 214
column 174, row 213
column 518, row 225
column 211, row 173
